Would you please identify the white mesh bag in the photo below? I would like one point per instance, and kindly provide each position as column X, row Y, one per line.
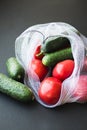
column 35, row 35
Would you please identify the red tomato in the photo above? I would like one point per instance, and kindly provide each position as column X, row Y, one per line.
column 81, row 89
column 63, row 69
column 37, row 51
column 49, row 91
column 39, row 68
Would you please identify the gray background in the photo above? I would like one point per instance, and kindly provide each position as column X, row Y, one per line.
column 15, row 17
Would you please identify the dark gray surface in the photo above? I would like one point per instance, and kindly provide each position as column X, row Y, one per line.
column 15, row 17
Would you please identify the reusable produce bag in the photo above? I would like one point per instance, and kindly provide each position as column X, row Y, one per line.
column 35, row 35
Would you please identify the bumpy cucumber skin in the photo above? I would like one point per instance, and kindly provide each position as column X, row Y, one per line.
column 51, row 59
column 52, row 44
column 14, row 69
column 15, row 89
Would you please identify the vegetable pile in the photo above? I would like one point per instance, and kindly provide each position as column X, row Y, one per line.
column 51, row 60
column 61, row 68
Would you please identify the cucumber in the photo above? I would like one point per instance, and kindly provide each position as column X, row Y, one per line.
column 54, row 43
column 15, row 89
column 14, row 69
column 50, row 59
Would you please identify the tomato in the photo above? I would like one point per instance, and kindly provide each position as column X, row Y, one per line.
column 37, row 54
column 63, row 70
column 81, row 89
column 39, row 68
column 49, row 90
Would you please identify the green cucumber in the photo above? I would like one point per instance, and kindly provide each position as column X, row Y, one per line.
column 14, row 69
column 50, row 59
column 15, row 89
column 54, row 43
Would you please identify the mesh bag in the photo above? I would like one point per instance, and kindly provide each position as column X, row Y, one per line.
column 25, row 46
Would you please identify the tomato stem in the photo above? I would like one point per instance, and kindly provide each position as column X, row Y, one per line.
column 39, row 54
